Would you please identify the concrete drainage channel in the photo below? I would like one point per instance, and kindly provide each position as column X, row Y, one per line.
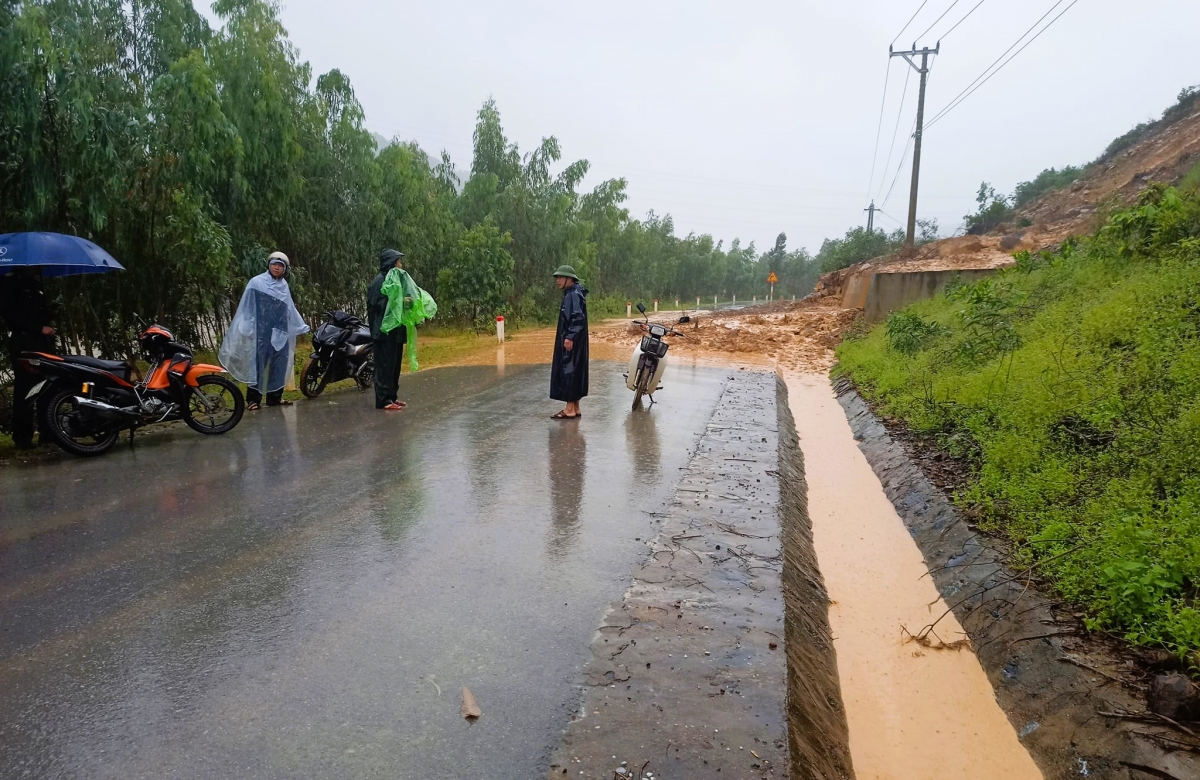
column 1052, row 685
column 695, row 673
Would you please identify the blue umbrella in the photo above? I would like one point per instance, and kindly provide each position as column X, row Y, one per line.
column 56, row 254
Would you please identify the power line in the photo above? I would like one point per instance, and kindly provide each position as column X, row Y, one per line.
column 895, row 132
column 984, row 77
column 940, row 18
column 897, row 222
column 903, row 157
column 1002, row 56
column 948, row 109
column 960, row 21
column 906, row 24
column 879, row 128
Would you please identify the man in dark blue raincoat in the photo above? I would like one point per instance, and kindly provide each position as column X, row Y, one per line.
column 569, row 370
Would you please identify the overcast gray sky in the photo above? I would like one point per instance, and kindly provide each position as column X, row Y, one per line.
column 744, row 119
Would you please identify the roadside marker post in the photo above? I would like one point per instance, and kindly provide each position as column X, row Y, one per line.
column 656, row 305
column 628, row 309
column 500, row 328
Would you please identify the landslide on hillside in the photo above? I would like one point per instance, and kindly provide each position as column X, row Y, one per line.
column 1164, row 156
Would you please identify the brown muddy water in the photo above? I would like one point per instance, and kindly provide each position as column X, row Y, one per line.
column 914, row 712
column 610, row 341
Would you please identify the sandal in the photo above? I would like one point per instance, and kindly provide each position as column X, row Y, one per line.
column 564, row 416
column 252, row 407
column 393, row 407
column 285, row 403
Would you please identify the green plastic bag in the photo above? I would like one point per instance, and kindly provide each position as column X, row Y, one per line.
column 397, row 286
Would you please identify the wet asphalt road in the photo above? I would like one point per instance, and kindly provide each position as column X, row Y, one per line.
column 306, row 596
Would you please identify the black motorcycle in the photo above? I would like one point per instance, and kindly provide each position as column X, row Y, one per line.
column 341, row 350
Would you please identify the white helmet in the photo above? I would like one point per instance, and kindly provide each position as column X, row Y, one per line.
column 278, row 257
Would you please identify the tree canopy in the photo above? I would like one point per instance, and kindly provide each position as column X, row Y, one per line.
column 190, row 153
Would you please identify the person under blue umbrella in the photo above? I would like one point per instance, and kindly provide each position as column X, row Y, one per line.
column 27, row 320
column 25, row 258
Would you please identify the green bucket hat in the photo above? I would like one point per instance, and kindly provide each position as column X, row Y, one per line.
column 567, row 271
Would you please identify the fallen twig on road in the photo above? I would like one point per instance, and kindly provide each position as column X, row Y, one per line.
column 729, row 529
column 1168, row 742
column 923, row 640
column 1021, row 577
column 1151, row 771
column 1070, row 659
column 1149, row 717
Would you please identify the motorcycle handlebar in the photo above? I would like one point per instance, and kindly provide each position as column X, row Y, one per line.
column 670, row 331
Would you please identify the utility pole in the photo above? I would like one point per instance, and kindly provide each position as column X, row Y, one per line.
column 871, row 217
column 923, row 69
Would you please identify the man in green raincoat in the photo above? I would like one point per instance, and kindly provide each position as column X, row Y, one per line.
column 388, row 345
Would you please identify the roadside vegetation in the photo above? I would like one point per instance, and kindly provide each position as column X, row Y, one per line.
column 1070, row 384
column 191, row 152
column 860, row 245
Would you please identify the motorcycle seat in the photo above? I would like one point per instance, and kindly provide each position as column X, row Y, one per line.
column 118, row 367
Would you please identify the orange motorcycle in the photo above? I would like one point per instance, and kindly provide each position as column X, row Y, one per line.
column 85, row 403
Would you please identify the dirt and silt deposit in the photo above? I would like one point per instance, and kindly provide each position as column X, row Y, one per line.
column 789, row 335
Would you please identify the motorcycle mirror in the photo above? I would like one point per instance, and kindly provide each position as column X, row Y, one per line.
column 684, row 319
column 641, row 307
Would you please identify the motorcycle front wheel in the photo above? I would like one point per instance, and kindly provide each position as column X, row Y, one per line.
column 215, row 405
column 642, row 381
column 312, row 381
column 70, row 430
column 365, row 375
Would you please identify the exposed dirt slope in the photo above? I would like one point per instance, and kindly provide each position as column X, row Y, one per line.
column 1075, row 210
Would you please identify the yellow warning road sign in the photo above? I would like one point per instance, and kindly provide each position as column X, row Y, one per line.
column 772, row 279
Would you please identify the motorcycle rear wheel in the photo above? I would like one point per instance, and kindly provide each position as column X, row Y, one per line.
column 220, row 410
column 61, row 415
column 312, row 381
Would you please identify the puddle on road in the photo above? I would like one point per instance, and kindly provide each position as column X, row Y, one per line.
column 531, row 347
column 913, row 712
column 609, row 341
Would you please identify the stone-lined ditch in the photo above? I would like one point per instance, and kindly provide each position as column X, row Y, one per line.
column 695, row 672
column 1052, row 683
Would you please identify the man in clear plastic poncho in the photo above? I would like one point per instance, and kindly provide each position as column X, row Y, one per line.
column 260, row 345
column 395, row 306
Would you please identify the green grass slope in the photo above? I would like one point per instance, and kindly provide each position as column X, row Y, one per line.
column 1071, row 384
